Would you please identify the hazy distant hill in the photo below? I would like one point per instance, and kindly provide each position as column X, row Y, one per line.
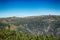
column 46, row 24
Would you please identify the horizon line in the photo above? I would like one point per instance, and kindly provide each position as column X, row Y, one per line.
column 31, row 16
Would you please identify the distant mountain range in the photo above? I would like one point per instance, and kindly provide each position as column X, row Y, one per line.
column 46, row 24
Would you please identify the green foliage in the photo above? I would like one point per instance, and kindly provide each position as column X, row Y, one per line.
column 13, row 35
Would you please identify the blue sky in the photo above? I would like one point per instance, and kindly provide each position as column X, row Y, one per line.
column 22, row 8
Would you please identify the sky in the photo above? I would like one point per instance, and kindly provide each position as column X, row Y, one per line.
column 22, row 8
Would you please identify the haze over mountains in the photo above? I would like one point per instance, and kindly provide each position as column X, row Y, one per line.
column 46, row 24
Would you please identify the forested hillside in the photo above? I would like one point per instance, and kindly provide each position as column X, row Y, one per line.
column 43, row 25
